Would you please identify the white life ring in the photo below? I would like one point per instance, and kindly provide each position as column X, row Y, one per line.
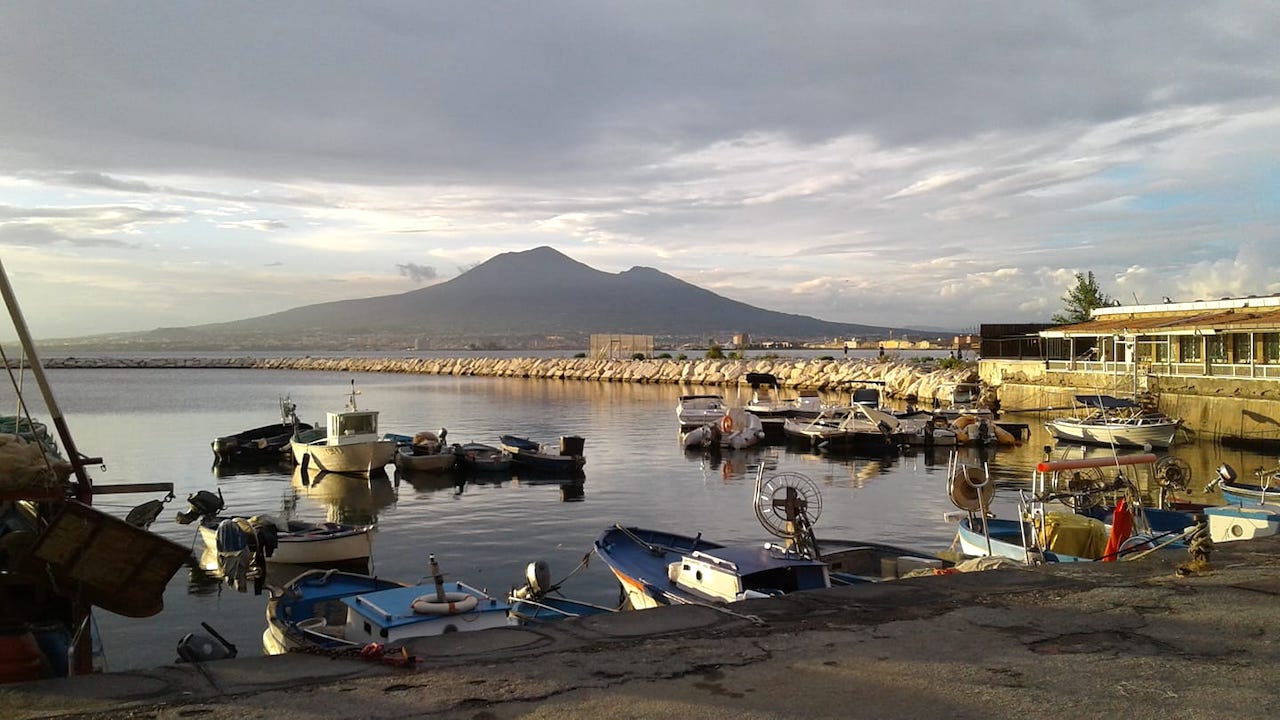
column 454, row 603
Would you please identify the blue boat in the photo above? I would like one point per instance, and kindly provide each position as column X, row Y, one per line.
column 533, row 457
column 335, row 610
column 1265, row 491
column 658, row 568
column 1081, row 533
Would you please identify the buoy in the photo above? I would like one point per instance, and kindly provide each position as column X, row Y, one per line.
column 453, row 603
column 726, row 424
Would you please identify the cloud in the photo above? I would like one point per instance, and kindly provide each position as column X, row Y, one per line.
column 417, row 273
column 860, row 162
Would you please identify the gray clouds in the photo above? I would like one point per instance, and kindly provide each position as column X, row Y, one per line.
column 860, row 162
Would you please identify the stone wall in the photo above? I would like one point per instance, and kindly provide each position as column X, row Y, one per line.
column 1213, row 408
column 908, row 381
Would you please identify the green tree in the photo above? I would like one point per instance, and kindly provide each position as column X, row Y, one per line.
column 1081, row 300
column 714, row 352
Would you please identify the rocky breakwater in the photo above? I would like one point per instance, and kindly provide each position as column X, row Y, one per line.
column 908, row 381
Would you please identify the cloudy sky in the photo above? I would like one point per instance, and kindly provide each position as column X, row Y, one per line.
column 908, row 164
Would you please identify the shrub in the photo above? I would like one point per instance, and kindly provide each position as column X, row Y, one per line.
column 663, row 356
column 579, row 355
column 715, row 353
column 637, row 356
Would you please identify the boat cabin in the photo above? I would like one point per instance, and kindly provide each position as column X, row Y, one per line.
column 359, row 426
column 737, row 573
column 391, row 615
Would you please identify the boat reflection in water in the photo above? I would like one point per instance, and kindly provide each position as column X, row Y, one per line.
column 572, row 488
column 351, row 499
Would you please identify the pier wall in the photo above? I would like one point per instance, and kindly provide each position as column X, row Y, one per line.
column 1242, row 410
column 904, row 380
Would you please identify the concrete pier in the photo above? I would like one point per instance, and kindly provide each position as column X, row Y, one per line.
column 1129, row 639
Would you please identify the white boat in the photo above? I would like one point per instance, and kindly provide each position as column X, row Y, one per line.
column 1115, row 421
column 240, row 546
column 766, row 403
column 350, row 444
column 844, row 430
column 735, row 428
column 960, row 399
column 697, row 410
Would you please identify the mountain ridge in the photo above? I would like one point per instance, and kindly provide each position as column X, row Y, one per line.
column 520, row 297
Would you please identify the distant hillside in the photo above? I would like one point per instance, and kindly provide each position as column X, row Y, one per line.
column 530, row 294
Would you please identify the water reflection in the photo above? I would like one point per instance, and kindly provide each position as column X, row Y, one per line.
column 283, row 466
column 433, row 482
column 348, row 499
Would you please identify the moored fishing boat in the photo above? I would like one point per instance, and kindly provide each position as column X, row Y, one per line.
column 656, row 567
column 482, row 459
column 262, row 443
column 1105, row 520
column 242, row 545
column 532, row 456
column 337, row 611
column 350, row 443
column 425, row 452
column 1113, row 421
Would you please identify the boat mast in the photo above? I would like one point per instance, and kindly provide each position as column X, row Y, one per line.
column 84, row 486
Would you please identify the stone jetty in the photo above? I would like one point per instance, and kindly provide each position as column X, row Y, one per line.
column 904, row 380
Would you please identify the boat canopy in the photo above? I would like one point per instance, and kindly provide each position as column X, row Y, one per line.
column 1105, row 402
column 756, row 379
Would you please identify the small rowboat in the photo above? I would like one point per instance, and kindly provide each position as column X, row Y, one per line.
column 336, row 610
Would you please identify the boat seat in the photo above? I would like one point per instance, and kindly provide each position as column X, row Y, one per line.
column 1069, row 534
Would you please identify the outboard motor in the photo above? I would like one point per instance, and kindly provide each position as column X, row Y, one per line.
column 202, row 503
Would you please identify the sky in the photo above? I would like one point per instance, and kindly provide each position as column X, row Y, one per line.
column 922, row 164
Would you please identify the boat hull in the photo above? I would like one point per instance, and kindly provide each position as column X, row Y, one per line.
column 299, row 618
column 364, row 457
column 645, row 564
column 320, row 545
column 261, row 443
column 1156, row 435
column 437, row 462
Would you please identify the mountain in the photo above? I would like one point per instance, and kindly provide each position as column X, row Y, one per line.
column 522, row 295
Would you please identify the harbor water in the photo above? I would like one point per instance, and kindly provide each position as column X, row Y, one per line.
column 156, row 425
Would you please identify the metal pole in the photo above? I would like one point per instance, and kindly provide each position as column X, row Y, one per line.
column 84, row 487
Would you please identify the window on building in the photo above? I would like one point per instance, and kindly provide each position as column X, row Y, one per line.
column 1160, row 350
column 1241, row 347
column 1215, row 347
column 1189, row 348
column 1270, row 348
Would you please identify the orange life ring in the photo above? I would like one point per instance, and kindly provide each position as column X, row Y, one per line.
column 726, row 424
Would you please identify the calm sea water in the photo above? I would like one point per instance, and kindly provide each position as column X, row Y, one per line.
column 156, row 425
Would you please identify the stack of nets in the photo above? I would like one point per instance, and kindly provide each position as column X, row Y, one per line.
column 26, row 465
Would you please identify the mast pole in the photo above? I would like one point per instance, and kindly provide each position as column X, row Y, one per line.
column 84, row 486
